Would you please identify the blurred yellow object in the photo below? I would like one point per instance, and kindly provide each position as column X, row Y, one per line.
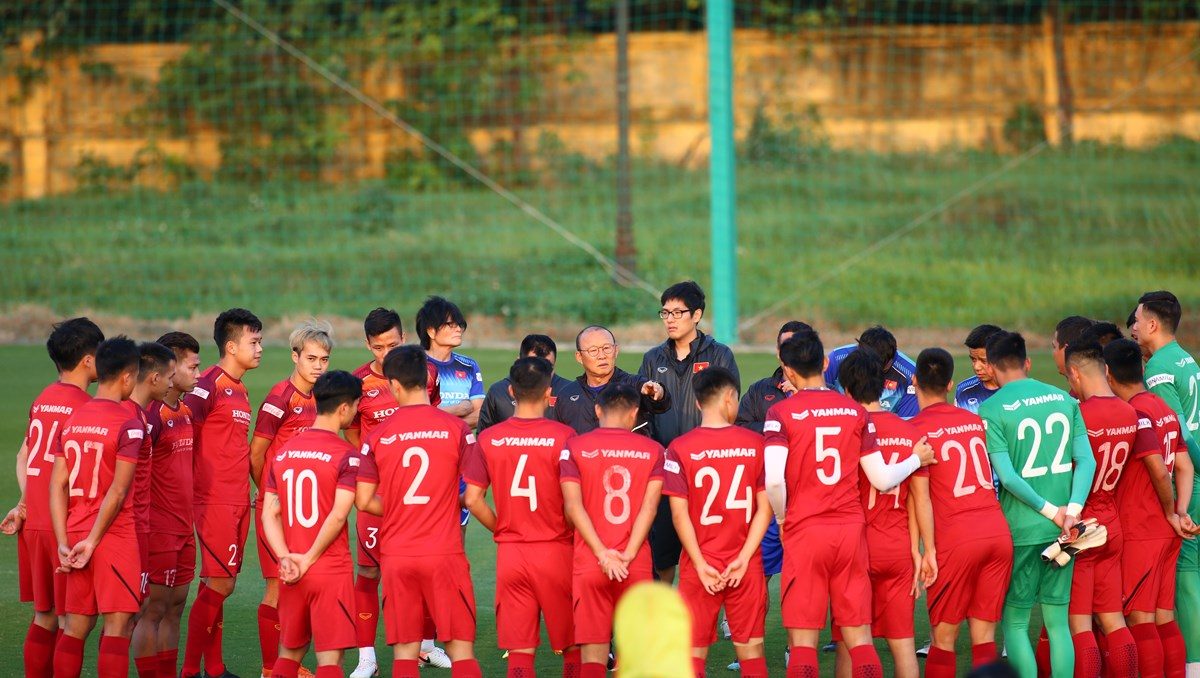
column 653, row 632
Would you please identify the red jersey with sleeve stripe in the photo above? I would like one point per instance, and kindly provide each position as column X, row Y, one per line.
column 719, row 471
column 93, row 439
column 612, row 467
column 825, row 434
column 1158, row 432
column 1112, row 426
column 887, row 512
column 284, row 412
column 414, row 457
column 170, row 433
column 221, row 442
column 306, row 473
column 141, row 476
column 377, row 403
column 519, row 459
column 49, row 411
column 960, row 484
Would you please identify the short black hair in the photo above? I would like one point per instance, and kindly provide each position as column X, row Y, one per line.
column 230, row 325
column 117, row 356
column 861, row 375
column 1102, row 332
column 978, row 337
column 1083, row 352
column 880, row 340
column 688, row 291
column 380, row 320
column 1124, row 360
column 1071, row 328
column 1006, row 351
column 803, row 353
column 1165, row 306
column 71, row 341
column 407, row 364
column 334, row 388
column 1132, row 319
column 156, row 358
column 712, row 382
column 435, row 312
column 529, row 377
column 618, row 395
column 935, row 369
column 592, row 328
column 792, row 326
column 540, row 345
column 180, row 342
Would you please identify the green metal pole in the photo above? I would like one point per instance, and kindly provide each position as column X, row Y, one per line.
column 722, row 177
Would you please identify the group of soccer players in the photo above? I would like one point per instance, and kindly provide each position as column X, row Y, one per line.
column 861, row 476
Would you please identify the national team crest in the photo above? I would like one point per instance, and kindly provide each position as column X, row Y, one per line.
column 890, row 384
column 228, row 391
column 699, row 367
column 460, row 374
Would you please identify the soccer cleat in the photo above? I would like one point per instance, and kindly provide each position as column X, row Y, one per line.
column 735, row 666
column 226, row 674
column 923, row 651
column 302, row 673
column 366, row 668
column 725, row 632
column 435, row 658
column 829, row 647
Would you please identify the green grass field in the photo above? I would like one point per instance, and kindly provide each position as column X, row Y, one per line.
column 30, row 370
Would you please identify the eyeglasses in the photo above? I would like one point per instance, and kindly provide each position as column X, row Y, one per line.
column 676, row 314
column 597, row 351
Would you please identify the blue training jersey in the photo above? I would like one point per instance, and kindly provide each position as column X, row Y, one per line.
column 971, row 393
column 899, row 397
column 459, row 379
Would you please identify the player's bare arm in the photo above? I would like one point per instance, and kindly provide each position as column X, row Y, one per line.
column 920, row 512
column 914, row 537
column 475, row 502
column 58, row 511
column 710, row 577
column 608, row 559
column 366, row 499
column 643, row 521
column 1160, row 479
column 735, row 570
column 273, row 530
column 81, row 553
column 1185, row 478
column 333, row 525
column 16, row 515
column 258, row 459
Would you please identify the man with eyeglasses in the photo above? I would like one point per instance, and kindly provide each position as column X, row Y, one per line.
column 596, row 350
column 687, row 351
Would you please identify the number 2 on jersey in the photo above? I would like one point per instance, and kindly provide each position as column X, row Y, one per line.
column 36, row 427
column 732, row 501
column 1059, row 465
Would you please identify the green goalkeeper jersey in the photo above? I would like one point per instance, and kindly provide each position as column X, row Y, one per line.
column 1171, row 374
column 1038, row 445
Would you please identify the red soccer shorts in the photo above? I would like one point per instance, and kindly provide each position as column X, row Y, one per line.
column 368, row 526
column 318, row 608
column 1148, row 574
column 745, row 606
column 1096, row 583
column 37, row 558
column 972, row 580
column 533, row 580
column 825, row 566
column 221, row 537
column 172, row 559
column 594, row 598
column 442, row 584
column 892, row 603
column 110, row 581
column 266, row 558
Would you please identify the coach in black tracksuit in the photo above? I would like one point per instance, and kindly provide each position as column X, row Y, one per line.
column 596, row 350
column 672, row 363
column 499, row 404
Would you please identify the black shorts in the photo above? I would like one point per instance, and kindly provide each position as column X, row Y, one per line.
column 664, row 543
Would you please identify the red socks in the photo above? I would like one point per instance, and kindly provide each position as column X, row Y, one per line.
column 405, row 668
column 940, row 663
column 39, row 651
column 1041, row 653
column 1174, row 652
column 1087, row 655
column 202, row 627
column 366, row 603
column 754, row 668
column 114, row 657
column 284, row 668
column 147, row 667
column 167, row 659
column 466, row 668
column 268, row 634
column 803, row 663
column 68, row 657
column 214, row 663
column 698, row 667
column 1121, row 655
column 572, row 664
column 591, row 670
column 1149, row 649
column 520, row 665
column 864, row 662
column 983, row 653
column 328, row 671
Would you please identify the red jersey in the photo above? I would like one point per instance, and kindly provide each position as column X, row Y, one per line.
column 887, row 512
column 49, row 411
column 415, row 457
column 221, row 426
column 826, row 434
column 612, row 467
column 141, row 476
column 170, row 433
column 93, row 439
column 960, row 484
column 519, row 458
column 1158, row 433
column 306, row 474
column 719, row 471
column 1112, row 426
column 377, row 402
column 284, row 413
